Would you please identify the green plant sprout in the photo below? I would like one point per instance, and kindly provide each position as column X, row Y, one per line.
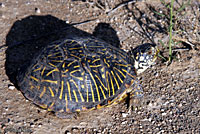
column 170, row 30
column 171, row 25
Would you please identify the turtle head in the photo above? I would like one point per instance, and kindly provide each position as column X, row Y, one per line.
column 144, row 56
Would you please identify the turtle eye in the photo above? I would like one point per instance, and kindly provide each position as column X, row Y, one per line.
column 149, row 52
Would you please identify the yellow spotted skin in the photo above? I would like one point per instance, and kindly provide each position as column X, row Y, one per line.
column 79, row 74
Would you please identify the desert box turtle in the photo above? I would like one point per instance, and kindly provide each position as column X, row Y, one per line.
column 83, row 73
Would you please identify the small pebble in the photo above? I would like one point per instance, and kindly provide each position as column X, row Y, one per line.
column 123, row 123
column 124, row 115
column 150, row 119
column 2, row 5
column 67, row 21
column 180, row 105
column 32, row 124
column 37, row 10
column 187, row 89
column 6, row 108
column 67, row 133
column 11, row 87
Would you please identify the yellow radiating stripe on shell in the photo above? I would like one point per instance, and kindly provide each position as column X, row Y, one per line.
column 56, row 46
column 78, row 91
column 38, row 87
column 74, row 71
column 121, row 65
column 52, row 64
column 61, row 90
column 34, row 65
column 63, row 65
column 34, row 78
column 31, row 86
column 82, row 86
column 66, row 101
column 66, row 71
column 77, row 66
column 75, row 48
column 108, row 83
column 112, row 84
column 87, row 89
column 128, row 73
column 71, row 63
column 44, row 90
column 50, row 81
column 95, row 65
column 80, row 78
column 101, row 53
column 108, row 56
column 106, row 63
column 69, row 91
column 124, row 70
column 92, row 92
column 119, row 77
column 101, row 82
column 75, row 95
column 98, row 94
column 95, row 71
column 121, row 55
column 115, row 79
column 50, row 107
column 53, row 54
column 94, row 84
column 120, row 72
column 72, row 42
column 71, row 73
column 102, row 69
column 83, row 73
column 95, row 46
column 57, row 56
column 56, row 60
column 96, row 60
column 56, row 69
column 37, row 69
column 51, row 91
column 131, row 75
column 66, row 97
column 75, row 56
column 104, row 96
column 114, row 56
column 43, row 106
column 43, row 71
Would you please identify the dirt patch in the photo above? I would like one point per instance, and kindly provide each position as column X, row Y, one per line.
column 171, row 92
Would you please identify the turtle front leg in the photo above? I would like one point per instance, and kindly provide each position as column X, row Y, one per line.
column 134, row 97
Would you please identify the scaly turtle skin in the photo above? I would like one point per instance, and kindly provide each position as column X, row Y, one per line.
column 81, row 74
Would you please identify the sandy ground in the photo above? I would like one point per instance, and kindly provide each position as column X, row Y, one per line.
column 171, row 101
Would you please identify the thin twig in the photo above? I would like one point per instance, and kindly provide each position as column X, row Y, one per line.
column 191, row 43
column 170, row 30
column 83, row 22
column 120, row 6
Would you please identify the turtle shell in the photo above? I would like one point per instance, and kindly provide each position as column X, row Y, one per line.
column 78, row 74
